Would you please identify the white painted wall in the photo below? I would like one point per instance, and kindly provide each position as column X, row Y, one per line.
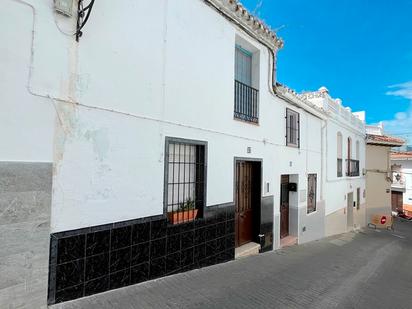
column 336, row 188
column 143, row 71
column 406, row 170
column 27, row 121
column 184, row 88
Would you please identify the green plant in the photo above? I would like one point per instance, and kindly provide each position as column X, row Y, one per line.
column 188, row 205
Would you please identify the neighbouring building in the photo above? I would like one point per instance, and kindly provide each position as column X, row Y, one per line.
column 378, row 171
column 401, row 165
column 344, row 164
column 158, row 142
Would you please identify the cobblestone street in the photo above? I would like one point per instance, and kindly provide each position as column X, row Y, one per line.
column 366, row 269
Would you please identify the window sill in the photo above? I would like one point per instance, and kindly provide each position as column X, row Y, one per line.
column 246, row 121
column 311, row 213
column 293, row 146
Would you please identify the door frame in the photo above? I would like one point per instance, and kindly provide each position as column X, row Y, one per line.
column 349, row 211
column 280, row 206
column 257, row 208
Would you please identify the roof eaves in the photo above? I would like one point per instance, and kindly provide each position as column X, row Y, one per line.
column 238, row 12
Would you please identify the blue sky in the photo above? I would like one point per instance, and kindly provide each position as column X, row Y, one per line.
column 361, row 50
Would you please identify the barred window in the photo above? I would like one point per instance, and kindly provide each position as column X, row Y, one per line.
column 185, row 179
column 292, row 128
column 312, row 182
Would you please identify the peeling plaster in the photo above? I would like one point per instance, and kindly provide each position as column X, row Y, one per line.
column 100, row 142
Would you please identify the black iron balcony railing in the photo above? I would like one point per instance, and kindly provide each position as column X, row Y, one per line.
column 352, row 168
column 246, row 102
column 340, row 168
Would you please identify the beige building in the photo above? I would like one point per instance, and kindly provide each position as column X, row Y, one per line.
column 378, row 171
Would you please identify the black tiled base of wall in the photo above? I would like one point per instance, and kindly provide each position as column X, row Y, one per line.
column 96, row 259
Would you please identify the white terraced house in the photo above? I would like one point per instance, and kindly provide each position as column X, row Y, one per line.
column 148, row 138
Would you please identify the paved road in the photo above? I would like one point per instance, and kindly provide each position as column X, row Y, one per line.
column 367, row 269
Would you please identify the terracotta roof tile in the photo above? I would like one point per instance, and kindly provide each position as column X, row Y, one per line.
column 401, row 155
column 384, row 140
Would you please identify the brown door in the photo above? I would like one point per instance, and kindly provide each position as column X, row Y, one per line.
column 397, row 201
column 284, row 206
column 244, row 200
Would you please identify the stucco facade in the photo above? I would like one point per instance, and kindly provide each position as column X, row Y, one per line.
column 345, row 136
column 98, row 113
column 378, row 172
column 401, row 168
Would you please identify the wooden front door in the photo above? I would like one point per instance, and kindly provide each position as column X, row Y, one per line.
column 244, row 200
column 284, row 206
column 397, row 201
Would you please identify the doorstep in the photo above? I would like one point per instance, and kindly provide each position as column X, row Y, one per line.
column 251, row 248
column 288, row 241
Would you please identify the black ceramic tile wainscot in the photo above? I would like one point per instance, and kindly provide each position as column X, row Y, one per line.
column 70, row 248
column 120, row 259
column 96, row 286
column 140, row 233
column 97, row 266
column 93, row 260
column 140, row 253
column 70, row 274
column 121, row 237
column 97, row 242
column 139, row 273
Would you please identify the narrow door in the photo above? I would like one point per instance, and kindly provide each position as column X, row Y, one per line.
column 244, row 200
column 350, row 211
column 397, row 201
column 284, row 206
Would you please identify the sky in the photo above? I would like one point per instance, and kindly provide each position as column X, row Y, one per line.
column 361, row 50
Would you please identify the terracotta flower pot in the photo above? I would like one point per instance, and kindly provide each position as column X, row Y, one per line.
column 182, row 216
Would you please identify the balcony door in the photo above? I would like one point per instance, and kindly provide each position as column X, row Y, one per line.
column 243, row 66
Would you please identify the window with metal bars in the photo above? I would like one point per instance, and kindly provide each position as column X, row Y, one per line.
column 292, row 128
column 185, row 179
column 312, row 182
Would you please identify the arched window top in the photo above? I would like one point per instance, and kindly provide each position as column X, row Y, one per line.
column 339, row 145
column 349, row 148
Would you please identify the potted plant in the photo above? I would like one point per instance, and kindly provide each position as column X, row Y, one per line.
column 186, row 212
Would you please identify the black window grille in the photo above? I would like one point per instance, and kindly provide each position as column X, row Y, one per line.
column 340, row 168
column 352, row 168
column 312, row 183
column 246, row 102
column 292, row 128
column 185, row 179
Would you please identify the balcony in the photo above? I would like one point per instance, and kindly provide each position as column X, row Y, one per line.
column 246, row 103
column 352, row 168
column 340, row 168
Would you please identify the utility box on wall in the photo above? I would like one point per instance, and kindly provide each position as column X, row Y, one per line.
column 64, row 7
column 293, row 187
